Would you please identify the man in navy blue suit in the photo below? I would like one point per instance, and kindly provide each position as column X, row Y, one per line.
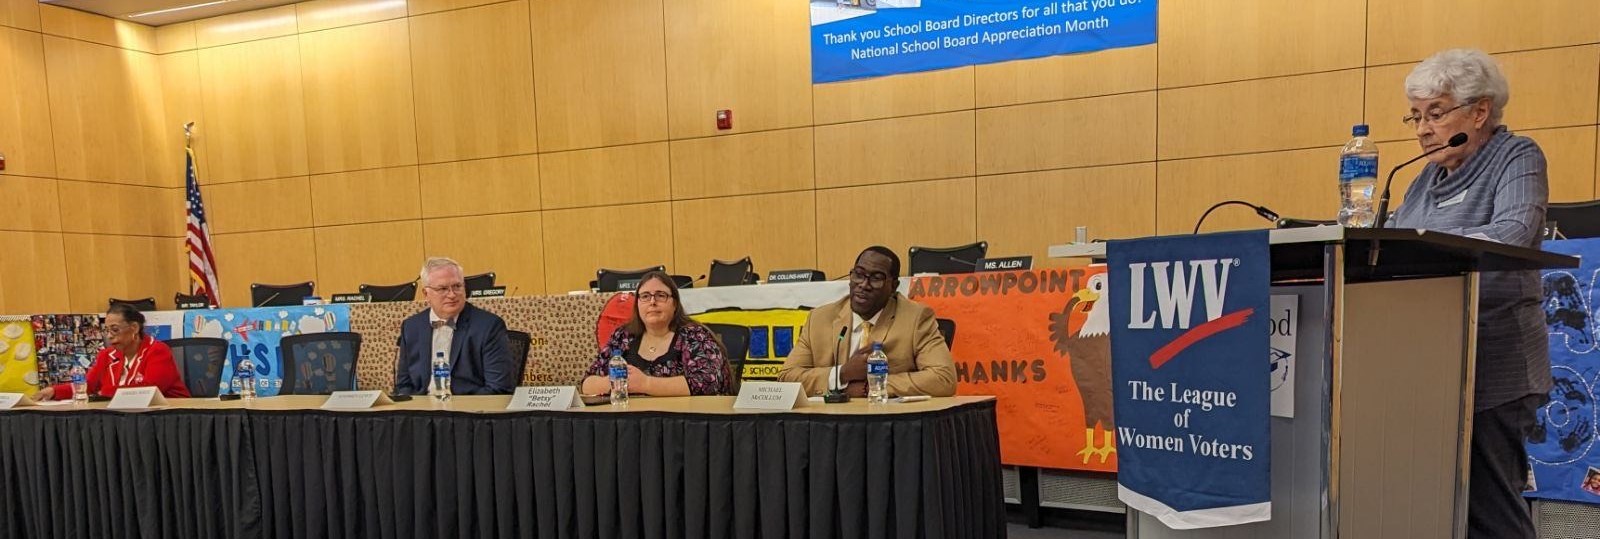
column 473, row 339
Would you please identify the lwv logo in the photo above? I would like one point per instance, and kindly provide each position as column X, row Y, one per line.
column 1177, row 283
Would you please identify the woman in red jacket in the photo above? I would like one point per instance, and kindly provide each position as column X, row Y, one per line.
column 130, row 359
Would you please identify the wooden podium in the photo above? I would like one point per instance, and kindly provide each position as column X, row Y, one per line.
column 1378, row 447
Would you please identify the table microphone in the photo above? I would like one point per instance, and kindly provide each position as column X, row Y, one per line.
column 1383, row 203
column 836, row 393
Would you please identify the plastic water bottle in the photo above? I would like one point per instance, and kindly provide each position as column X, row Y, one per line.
column 619, row 379
column 246, row 375
column 1358, row 174
column 877, row 375
column 80, row 384
column 440, row 388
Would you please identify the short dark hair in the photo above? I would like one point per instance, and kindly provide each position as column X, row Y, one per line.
column 894, row 259
column 128, row 313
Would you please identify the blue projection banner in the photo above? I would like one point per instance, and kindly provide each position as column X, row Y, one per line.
column 1189, row 327
column 253, row 335
column 852, row 39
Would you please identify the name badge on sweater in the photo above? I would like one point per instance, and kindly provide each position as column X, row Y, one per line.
column 1462, row 196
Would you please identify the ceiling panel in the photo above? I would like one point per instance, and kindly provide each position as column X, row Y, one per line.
column 151, row 12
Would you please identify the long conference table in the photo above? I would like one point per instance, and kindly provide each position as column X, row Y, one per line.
column 687, row 467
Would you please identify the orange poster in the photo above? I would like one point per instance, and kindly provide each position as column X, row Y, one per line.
column 1039, row 341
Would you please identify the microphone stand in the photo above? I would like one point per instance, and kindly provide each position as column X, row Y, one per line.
column 836, row 392
column 1382, row 218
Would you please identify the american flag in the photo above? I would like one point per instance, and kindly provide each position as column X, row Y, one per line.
column 202, row 265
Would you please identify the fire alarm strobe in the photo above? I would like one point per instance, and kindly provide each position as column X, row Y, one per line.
column 725, row 119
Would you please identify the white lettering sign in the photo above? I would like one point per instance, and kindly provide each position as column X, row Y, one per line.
column 770, row 396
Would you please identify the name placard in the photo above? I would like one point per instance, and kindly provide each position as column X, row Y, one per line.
column 355, row 400
column 1010, row 263
column 352, row 298
column 15, row 400
column 770, row 396
column 191, row 305
column 311, row 300
column 136, row 398
column 627, row 285
column 789, row 276
column 491, row 292
column 554, row 398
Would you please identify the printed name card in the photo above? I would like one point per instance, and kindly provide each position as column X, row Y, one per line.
column 15, row 400
column 554, row 398
column 770, row 396
column 355, row 400
column 1010, row 263
column 136, row 398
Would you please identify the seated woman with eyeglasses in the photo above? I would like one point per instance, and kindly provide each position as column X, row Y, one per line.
column 130, row 359
column 668, row 354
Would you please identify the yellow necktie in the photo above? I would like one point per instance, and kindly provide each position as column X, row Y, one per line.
column 866, row 335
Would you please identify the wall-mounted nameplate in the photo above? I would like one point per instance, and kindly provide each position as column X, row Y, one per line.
column 352, row 298
column 1010, row 263
column 789, row 276
column 491, row 292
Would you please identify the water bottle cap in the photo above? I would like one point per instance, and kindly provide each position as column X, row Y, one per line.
column 1360, row 130
column 877, row 346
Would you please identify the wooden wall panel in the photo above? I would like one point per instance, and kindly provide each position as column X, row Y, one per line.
column 777, row 231
column 247, row 26
column 101, row 267
column 368, row 196
column 605, row 176
column 1209, row 42
column 324, row 14
column 749, row 163
column 33, row 278
column 358, row 97
column 1549, row 88
column 1396, row 32
column 21, row 14
column 25, row 128
column 277, row 257
column 751, row 57
column 576, row 244
column 1569, row 154
column 378, row 253
column 419, row 7
column 937, row 213
column 1081, row 132
column 888, row 97
column 105, row 110
column 898, row 149
column 85, row 26
column 511, row 245
column 255, row 105
column 31, row 204
column 473, row 76
column 105, row 208
column 483, row 186
column 279, row 204
column 180, row 90
column 1027, row 213
column 177, row 37
column 1071, row 76
column 1259, row 115
column 599, row 72
column 1299, row 183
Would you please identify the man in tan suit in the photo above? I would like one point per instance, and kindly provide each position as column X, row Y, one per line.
column 919, row 359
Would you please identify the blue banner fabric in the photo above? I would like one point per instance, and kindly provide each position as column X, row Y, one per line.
column 253, row 335
column 1189, row 326
column 1561, row 449
column 852, row 39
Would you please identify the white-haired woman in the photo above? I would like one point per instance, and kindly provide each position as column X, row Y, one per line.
column 1494, row 186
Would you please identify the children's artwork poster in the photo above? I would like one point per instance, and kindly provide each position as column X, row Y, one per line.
column 63, row 340
column 254, row 334
column 18, row 362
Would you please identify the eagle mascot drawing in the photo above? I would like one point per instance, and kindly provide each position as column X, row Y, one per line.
column 1089, row 348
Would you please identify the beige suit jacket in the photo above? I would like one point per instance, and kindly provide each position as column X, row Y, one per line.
column 919, row 359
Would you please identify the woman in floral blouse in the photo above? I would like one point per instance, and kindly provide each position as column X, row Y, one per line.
column 668, row 354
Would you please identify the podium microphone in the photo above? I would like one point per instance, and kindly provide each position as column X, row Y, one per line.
column 836, row 393
column 1383, row 203
column 1260, row 210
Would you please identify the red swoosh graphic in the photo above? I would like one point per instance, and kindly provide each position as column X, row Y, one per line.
column 1197, row 334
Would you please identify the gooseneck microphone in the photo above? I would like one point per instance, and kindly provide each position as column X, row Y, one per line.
column 836, row 391
column 1383, row 202
column 1260, row 210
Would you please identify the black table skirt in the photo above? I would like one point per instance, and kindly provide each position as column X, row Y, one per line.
column 205, row 474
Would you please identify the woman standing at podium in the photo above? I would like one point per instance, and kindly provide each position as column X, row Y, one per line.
column 668, row 353
column 1495, row 186
column 131, row 358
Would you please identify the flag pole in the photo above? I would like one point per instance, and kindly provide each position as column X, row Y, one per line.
column 188, row 147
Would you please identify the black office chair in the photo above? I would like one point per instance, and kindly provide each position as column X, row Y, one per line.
column 521, row 341
column 683, row 281
column 181, row 298
column 141, row 305
column 736, row 342
column 481, row 281
column 399, row 292
column 319, row 363
column 200, row 361
column 1573, row 220
column 942, row 260
column 947, row 329
column 279, row 295
column 610, row 280
column 735, row 273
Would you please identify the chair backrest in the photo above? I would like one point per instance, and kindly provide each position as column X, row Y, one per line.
column 947, row 329
column 319, row 363
column 481, row 281
column 181, row 298
column 736, row 342
column 279, row 295
column 735, row 273
column 961, row 259
column 520, row 342
column 609, row 280
column 200, row 361
column 1574, row 219
column 398, row 292
column 141, row 305
column 683, row 281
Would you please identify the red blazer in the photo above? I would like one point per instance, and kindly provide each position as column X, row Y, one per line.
column 151, row 366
